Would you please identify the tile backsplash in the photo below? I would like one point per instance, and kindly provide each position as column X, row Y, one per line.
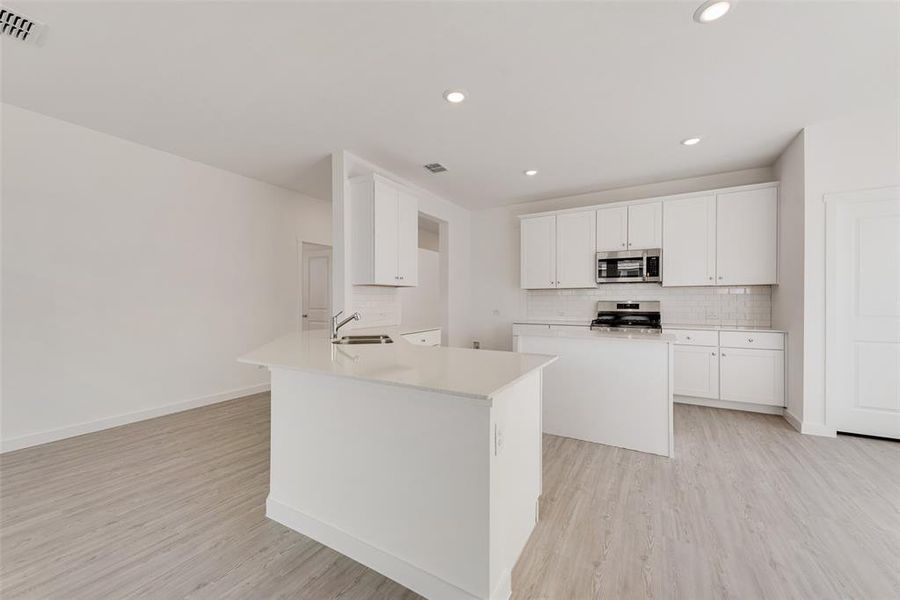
column 377, row 306
column 751, row 305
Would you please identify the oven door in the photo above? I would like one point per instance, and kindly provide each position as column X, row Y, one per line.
column 619, row 267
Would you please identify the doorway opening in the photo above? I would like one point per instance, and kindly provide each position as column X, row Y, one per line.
column 425, row 305
column 315, row 285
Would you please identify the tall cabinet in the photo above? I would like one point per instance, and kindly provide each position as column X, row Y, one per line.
column 385, row 218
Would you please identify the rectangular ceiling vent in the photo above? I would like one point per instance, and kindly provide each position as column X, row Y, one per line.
column 436, row 167
column 19, row 26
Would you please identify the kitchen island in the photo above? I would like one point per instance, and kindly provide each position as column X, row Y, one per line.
column 422, row 463
column 607, row 387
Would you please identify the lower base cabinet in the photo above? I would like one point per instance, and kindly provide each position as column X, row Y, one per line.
column 736, row 370
column 755, row 376
column 696, row 371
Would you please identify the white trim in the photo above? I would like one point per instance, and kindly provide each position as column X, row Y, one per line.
column 52, row 435
column 415, row 578
column 730, row 405
column 792, row 419
column 650, row 199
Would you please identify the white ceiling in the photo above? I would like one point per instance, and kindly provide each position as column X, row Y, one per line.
column 593, row 95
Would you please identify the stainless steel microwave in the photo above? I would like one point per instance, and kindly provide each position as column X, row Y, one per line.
column 629, row 266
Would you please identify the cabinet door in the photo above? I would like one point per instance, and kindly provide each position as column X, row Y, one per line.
column 407, row 238
column 689, row 241
column 385, row 221
column 575, row 254
column 538, row 253
column 747, row 237
column 645, row 226
column 612, row 228
column 752, row 376
column 697, row 371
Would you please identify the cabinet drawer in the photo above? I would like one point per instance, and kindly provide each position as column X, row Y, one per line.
column 763, row 340
column 694, row 337
column 432, row 337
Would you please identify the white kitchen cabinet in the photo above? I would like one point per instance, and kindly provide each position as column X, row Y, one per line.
column 558, row 251
column 407, row 238
column 538, row 253
column 696, row 371
column 575, row 243
column 612, row 228
column 385, row 232
column 645, row 226
column 747, row 237
column 755, row 376
column 689, row 241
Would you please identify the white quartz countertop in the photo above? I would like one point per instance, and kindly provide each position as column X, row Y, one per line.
column 720, row 327
column 457, row 371
column 583, row 330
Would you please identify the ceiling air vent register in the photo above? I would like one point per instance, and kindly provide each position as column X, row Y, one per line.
column 436, row 167
column 19, row 26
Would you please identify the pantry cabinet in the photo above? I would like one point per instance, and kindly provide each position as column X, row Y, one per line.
column 558, row 251
column 385, row 232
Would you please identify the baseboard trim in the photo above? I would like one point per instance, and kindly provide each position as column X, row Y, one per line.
column 793, row 420
column 418, row 580
column 53, row 435
column 730, row 405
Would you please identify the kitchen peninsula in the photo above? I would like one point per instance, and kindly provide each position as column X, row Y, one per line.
column 423, row 463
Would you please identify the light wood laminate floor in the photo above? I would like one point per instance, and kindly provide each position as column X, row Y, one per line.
column 174, row 508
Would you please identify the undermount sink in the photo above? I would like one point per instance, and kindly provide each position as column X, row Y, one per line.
column 363, row 339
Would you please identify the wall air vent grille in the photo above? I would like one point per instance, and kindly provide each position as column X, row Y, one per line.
column 436, row 167
column 19, row 26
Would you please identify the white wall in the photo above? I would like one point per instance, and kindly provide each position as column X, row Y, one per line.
column 787, row 296
column 420, row 305
column 497, row 299
column 382, row 306
column 133, row 278
column 856, row 152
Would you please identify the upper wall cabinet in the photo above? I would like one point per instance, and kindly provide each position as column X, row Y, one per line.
column 558, row 251
column 747, row 237
column 612, row 228
column 385, row 232
column 729, row 238
column 689, row 241
column 634, row 227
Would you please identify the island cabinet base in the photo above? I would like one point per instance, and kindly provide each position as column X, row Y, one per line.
column 433, row 490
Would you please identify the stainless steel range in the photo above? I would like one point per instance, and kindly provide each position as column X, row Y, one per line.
column 628, row 315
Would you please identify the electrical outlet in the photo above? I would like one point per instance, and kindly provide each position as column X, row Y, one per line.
column 476, row 345
column 498, row 439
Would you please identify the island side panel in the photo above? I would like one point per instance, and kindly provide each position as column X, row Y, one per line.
column 395, row 478
column 515, row 476
column 626, row 399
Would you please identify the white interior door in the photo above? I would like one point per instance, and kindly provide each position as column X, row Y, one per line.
column 316, row 284
column 863, row 312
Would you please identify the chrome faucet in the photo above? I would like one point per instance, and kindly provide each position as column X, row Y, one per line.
column 335, row 326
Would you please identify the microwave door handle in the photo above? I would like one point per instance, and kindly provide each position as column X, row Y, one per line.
column 645, row 275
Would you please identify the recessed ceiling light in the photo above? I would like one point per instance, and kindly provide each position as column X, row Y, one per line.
column 454, row 96
column 711, row 10
column 531, row 172
column 690, row 141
